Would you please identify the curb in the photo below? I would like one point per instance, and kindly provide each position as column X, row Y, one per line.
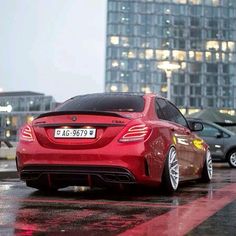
column 9, row 174
column 9, row 157
column 7, row 154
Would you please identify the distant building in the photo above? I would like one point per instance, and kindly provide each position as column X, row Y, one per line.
column 198, row 35
column 17, row 108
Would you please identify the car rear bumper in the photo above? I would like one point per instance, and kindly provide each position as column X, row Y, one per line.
column 126, row 164
column 77, row 175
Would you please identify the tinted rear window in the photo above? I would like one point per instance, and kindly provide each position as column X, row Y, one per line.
column 117, row 103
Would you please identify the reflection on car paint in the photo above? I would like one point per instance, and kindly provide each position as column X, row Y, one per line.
column 198, row 143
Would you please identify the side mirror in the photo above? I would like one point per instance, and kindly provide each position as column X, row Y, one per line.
column 218, row 135
column 195, row 125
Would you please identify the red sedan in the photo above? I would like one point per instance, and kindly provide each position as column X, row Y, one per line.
column 118, row 139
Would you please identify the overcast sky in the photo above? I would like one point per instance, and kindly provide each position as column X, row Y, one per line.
column 56, row 47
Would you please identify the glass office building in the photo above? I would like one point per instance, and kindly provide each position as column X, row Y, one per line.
column 197, row 35
column 18, row 108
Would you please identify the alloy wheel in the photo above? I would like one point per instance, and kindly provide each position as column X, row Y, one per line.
column 209, row 164
column 173, row 168
column 232, row 159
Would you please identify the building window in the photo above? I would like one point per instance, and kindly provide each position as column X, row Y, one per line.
column 198, row 56
column 179, row 101
column 194, row 79
column 149, row 53
column 179, row 55
column 195, row 67
column 212, row 45
column 195, row 90
column 195, row 21
column 195, row 44
column 179, row 43
column 162, row 54
column 114, row 40
column 195, row 102
column 195, row 33
column 179, row 90
column 180, row 21
column 210, row 102
column 212, row 68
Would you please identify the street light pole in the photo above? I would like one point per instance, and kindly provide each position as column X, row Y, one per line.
column 168, row 68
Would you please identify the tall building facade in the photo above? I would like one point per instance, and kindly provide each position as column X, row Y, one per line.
column 197, row 35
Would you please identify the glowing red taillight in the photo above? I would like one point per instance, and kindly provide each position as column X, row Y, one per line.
column 26, row 133
column 136, row 133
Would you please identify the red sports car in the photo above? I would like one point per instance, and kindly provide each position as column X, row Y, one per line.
column 112, row 139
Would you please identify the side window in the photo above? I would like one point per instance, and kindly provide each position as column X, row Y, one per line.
column 168, row 111
column 176, row 115
column 226, row 135
column 208, row 131
column 161, row 108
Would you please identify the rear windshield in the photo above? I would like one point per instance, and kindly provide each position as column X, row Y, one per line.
column 94, row 102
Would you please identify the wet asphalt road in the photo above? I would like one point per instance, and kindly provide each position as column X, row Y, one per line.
column 196, row 209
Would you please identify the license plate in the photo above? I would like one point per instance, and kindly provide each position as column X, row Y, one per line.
column 75, row 133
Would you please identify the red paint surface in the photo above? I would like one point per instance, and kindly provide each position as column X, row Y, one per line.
column 183, row 219
column 135, row 142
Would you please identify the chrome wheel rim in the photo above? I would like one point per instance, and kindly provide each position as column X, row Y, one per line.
column 173, row 169
column 209, row 164
column 233, row 159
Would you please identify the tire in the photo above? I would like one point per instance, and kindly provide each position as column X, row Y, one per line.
column 207, row 171
column 232, row 159
column 170, row 176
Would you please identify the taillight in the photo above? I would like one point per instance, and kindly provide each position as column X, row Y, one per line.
column 26, row 133
column 136, row 133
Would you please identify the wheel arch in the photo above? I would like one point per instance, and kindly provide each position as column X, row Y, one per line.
column 229, row 151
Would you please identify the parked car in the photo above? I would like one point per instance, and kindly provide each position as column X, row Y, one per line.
column 221, row 141
column 112, row 139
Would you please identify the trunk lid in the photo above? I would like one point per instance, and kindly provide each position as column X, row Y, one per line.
column 78, row 130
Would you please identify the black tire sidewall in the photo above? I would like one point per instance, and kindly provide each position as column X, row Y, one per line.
column 205, row 174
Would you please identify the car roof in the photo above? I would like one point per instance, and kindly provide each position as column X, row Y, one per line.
column 120, row 94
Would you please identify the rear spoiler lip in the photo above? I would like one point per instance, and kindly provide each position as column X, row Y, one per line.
column 101, row 113
column 79, row 125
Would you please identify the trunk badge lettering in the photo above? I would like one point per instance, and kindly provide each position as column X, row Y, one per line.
column 118, row 122
column 74, row 118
